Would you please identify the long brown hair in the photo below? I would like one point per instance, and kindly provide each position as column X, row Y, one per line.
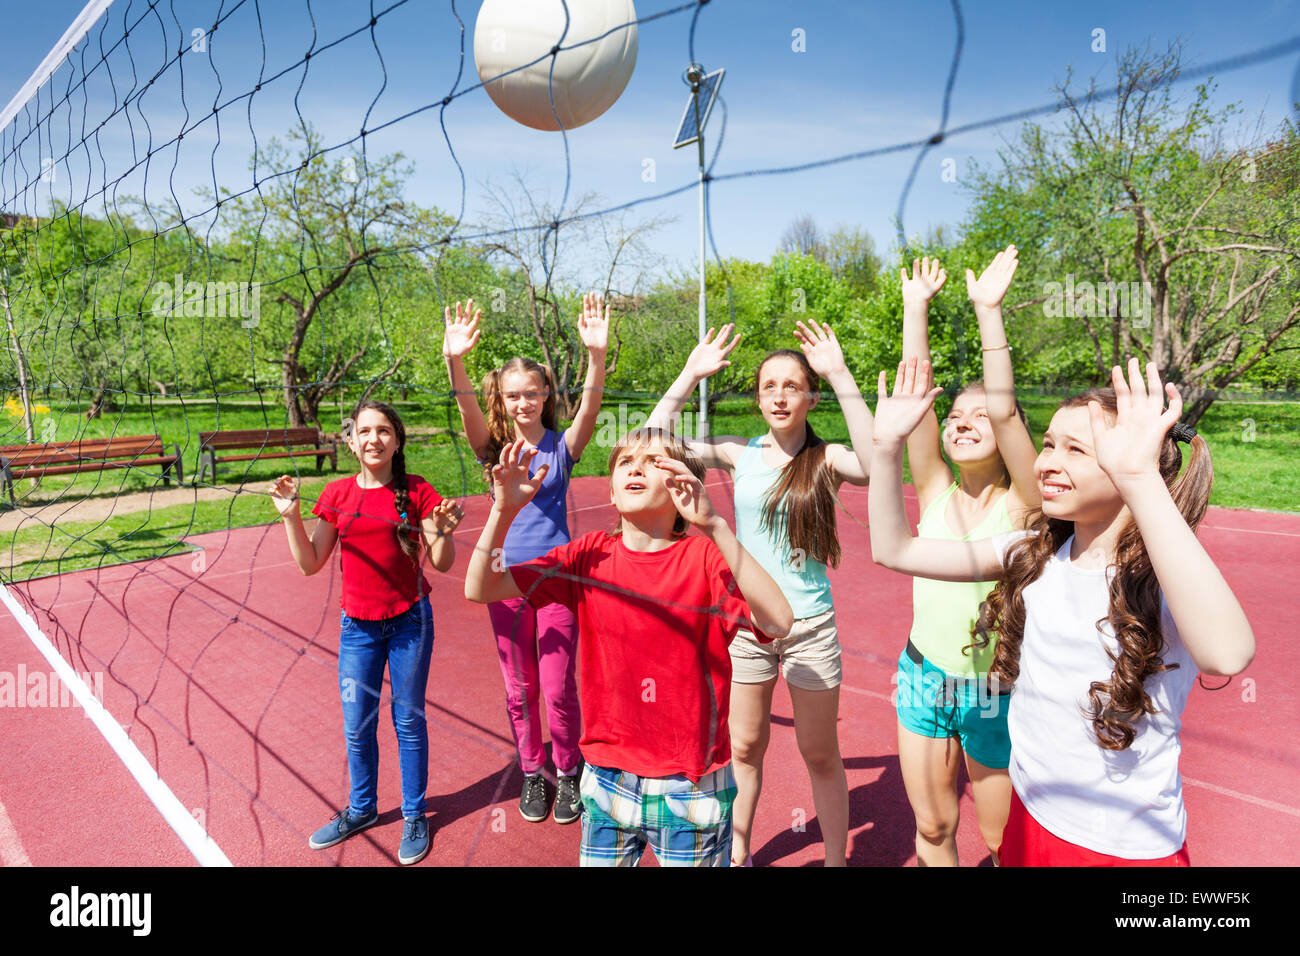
column 673, row 447
column 501, row 428
column 802, row 501
column 1134, row 613
column 406, row 539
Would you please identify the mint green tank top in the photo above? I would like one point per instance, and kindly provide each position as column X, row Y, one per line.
column 801, row 579
column 943, row 612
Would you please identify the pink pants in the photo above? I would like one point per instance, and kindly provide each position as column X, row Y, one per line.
column 537, row 651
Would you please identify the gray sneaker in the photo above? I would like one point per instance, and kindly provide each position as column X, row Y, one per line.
column 535, row 801
column 568, row 802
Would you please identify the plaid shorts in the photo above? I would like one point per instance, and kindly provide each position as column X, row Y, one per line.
column 686, row 824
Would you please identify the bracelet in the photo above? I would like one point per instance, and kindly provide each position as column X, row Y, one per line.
column 996, row 348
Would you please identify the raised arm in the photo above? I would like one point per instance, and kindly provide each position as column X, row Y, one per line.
column 459, row 336
column 769, row 610
column 892, row 542
column 930, row 473
column 310, row 554
column 826, row 357
column 705, row 359
column 593, row 328
column 1210, row 620
column 1014, row 441
column 488, row 579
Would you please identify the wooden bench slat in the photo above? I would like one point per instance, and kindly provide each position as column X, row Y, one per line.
column 279, row 454
column 39, row 470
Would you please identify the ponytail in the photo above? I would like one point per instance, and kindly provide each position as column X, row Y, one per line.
column 402, row 501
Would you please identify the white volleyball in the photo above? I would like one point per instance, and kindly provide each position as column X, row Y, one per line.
column 587, row 79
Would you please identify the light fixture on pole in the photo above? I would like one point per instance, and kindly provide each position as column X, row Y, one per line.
column 704, row 90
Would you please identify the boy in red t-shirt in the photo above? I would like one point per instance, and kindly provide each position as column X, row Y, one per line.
column 656, row 610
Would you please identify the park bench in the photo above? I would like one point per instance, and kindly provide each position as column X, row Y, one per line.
column 265, row 443
column 37, row 460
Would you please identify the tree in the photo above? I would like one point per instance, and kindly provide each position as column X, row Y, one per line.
column 851, row 255
column 552, row 263
column 309, row 237
column 1140, row 226
column 803, row 238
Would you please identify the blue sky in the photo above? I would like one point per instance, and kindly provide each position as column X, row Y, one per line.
column 871, row 74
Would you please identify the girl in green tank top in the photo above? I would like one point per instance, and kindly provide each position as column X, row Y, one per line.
column 986, row 437
column 785, row 484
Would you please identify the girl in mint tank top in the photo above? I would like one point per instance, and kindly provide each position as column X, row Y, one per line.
column 785, row 497
column 946, row 712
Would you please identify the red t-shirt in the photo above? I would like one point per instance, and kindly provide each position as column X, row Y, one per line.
column 654, row 675
column 379, row 580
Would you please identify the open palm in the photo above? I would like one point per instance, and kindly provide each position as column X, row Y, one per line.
column 992, row 285
column 593, row 323
column 821, row 348
column 711, row 355
column 898, row 415
column 925, row 282
column 1129, row 447
column 461, row 332
column 512, row 486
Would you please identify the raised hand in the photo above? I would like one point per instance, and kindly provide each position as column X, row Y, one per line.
column 898, row 415
column 992, row 285
column 821, row 348
column 711, row 355
column 925, row 282
column 688, row 493
column 284, row 494
column 461, row 332
column 1129, row 447
column 512, row 487
column 447, row 515
column 593, row 326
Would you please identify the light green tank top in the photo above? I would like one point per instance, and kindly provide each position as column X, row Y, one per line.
column 801, row 579
column 943, row 612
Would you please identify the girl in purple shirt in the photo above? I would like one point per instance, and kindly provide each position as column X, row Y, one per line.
column 536, row 647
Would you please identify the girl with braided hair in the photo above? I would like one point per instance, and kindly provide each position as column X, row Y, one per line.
column 385, row 520
column 1105, row 607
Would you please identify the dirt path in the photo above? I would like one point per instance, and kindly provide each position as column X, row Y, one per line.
column 102, row 506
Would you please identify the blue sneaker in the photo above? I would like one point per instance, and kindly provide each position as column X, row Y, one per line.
column 341, row 826
column 415, row 841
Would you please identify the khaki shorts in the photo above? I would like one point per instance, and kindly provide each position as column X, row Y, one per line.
column 809, row 658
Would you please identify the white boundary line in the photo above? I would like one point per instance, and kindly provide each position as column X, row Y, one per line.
column 1245, row 797
column 197, row 841
column 86, row 19
column 11, row 847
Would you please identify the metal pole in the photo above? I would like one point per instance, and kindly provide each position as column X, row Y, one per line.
column 702, row 427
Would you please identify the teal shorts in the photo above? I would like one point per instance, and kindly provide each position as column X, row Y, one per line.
column 932, row 703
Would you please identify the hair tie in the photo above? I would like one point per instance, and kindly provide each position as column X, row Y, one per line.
column 1181, row 432
column 402, row 516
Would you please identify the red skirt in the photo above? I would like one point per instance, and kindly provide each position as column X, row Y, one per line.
column 1025, row 842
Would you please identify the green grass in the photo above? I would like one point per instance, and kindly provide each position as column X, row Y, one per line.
column 1254, row 448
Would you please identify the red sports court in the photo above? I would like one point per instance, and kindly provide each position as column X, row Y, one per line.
column 223, row 671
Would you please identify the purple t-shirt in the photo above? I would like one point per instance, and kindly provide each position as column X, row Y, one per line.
column 544, row 522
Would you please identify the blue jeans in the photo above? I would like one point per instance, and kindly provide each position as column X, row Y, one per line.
column 405, row 643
